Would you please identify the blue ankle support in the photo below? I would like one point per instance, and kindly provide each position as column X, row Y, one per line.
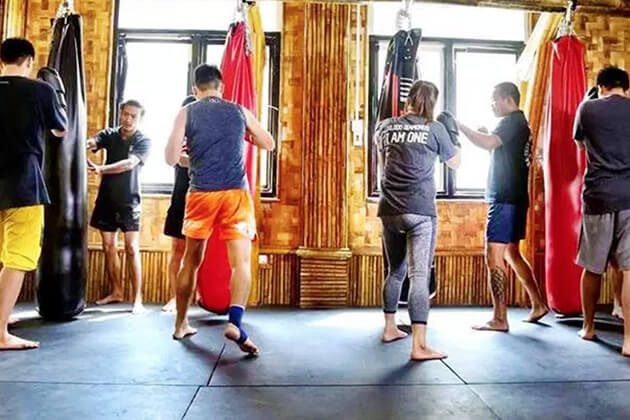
column 242, row 337
column 235, row 317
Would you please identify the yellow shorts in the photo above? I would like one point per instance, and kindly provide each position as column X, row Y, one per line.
column 21, row 237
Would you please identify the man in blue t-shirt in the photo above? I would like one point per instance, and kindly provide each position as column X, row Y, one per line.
column 508, row 197
column 28, row 109
column 602, row 127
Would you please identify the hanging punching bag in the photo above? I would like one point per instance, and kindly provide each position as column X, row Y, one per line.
column 62, row 273
column 213, row 280
column 401, row 71
column 564, row 166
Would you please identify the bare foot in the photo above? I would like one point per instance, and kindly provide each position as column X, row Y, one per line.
column 492, row 325
column 587, row 334
column 537, row 314
column 625, row 351
column 170, row 306
column 421, row 354
column 617, row 312
column 113, row 298
column 12, row 320
column 184, row 331
column 232, row 333
column 390, row 336
column 11, row 342
column 138, row 309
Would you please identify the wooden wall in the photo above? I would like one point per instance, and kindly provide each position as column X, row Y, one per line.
column 2, row 19
column 321, row 237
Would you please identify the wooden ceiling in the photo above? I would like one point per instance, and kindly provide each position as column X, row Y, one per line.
column 607, row 7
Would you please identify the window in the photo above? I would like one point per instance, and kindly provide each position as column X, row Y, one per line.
column 456, row 65
column 161, row 85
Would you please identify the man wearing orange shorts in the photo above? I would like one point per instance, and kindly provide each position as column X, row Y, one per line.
column 28, row 108
column 219, row 195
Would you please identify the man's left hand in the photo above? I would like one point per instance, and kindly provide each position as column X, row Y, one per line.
column 94, row 168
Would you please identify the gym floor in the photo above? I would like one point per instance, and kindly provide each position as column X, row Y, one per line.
column 315, row 364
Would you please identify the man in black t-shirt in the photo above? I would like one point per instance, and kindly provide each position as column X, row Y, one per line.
column 175, row 220
column 28, row 109
column 602, row 127
column 508, row 197
column 117, row 204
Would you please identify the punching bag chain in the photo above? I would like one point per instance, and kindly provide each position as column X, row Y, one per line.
column 403, row 17
column 566, row 27
column 66, row 8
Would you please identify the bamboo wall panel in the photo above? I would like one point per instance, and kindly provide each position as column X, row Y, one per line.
column 366, row 280
column 324, row 282
column 606, row 39
column 27, row 294
column 282, row 219
column 325, row 126
column 462, row 280
column 154, row 276
column 98, row 32
column 279, row 280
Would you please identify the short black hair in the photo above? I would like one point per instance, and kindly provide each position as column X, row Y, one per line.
column 16, row 50
column 207, row 76
column 189, row 100
column 133, row 103
column 508, row 90
column 612, row 77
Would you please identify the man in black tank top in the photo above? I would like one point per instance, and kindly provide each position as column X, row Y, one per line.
column 219, row 198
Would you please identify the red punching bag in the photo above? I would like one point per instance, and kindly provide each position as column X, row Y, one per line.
column 564, row 171
column 213, row 281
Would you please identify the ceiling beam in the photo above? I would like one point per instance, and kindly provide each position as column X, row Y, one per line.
column 602, row 7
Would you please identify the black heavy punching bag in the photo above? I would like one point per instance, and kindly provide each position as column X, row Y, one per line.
column 62, row 272
column 401, row 70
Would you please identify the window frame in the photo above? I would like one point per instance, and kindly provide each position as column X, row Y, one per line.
column 451, row 46
column 200, row 40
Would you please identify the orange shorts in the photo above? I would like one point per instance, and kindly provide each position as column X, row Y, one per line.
column 231, row 212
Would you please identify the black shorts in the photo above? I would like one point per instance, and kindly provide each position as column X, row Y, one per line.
column 174, row 224
column 507, row 223
column 175, row 216
column 111, row 219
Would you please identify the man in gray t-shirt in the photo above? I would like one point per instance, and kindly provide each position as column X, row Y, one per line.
column 602, row 127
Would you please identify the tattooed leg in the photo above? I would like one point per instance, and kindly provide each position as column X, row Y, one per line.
column 498, row 286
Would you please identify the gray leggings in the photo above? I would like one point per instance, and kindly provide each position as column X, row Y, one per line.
column 409, row 245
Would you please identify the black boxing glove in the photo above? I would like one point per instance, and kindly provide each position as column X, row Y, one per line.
column 51, row 76
column 592, row 93
column 448, row 121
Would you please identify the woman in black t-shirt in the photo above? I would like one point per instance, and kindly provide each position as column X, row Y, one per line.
column 408, row 148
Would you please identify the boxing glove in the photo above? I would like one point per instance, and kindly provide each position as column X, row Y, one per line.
column 592, row 93
column 448, row 120
column 51, row 76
